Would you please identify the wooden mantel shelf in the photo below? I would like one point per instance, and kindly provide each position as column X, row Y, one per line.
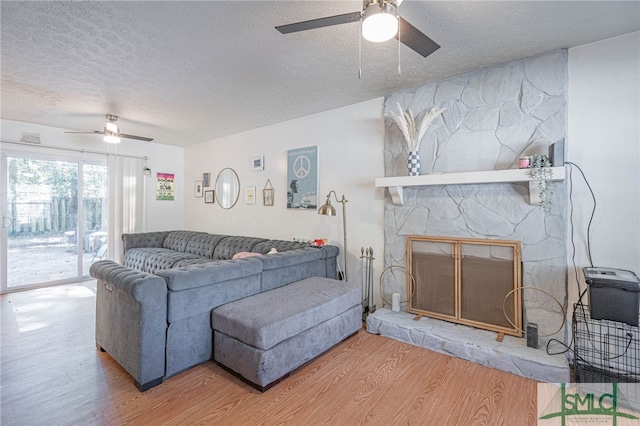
column 396, row 184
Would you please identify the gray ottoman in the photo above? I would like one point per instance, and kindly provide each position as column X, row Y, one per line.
column 262, row 338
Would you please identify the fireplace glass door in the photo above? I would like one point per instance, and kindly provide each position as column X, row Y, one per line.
column 433, row 267
column 486, row 277
column 468, row 281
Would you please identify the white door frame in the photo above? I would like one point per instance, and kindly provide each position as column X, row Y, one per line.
column 81, row 159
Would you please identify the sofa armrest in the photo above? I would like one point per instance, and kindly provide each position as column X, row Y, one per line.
column 143, row 239
column 331, row 265
column 131, row 320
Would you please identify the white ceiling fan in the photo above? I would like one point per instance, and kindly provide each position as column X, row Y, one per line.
column 111, row 132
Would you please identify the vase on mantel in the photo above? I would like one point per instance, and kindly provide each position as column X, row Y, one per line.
column 413, row 163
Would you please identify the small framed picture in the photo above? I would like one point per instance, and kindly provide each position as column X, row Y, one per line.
column 206, row 180
column 257, row 163
column 198, row 189
column 208, row 196
column 267, row 197
column 250, row 195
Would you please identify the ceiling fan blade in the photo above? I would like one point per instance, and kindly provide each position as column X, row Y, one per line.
column 122, row 135
column 95, row 132
column 320, row 22
column 140, row 138
column 416, row 40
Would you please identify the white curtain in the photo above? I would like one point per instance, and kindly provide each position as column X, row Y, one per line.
column 127, row 201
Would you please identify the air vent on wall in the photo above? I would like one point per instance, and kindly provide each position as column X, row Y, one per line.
column 30, row 137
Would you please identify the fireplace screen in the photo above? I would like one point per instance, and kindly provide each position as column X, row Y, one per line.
column 466, row 281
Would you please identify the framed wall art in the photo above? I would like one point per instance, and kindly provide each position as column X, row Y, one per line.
column 302, row 176
column 208, row 196
column 250, row 195
column 164, row 186
column 267, row 194
column 197, row 191
column 257, row 163
column 206, row 180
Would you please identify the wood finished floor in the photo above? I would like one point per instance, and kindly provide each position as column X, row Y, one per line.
column 52, row 374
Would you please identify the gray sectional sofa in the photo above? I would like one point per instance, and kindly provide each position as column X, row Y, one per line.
column 153, row 314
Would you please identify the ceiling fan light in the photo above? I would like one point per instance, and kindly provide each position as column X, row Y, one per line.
column 111, row 138
column 111, row 132
column 380, row 22
column 110, row 127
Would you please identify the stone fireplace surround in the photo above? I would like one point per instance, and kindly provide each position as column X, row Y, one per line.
column 493, row 116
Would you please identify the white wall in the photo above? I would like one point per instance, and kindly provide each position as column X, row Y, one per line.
column 162, row 215
column 350, row 141
column 604, row 140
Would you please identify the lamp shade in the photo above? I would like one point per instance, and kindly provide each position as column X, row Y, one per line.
column 327, row 209
column 380, row 22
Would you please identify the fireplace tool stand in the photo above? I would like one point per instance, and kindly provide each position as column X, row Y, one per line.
column 367, row 282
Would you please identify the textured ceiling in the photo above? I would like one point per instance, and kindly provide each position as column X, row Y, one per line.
column 187, row 72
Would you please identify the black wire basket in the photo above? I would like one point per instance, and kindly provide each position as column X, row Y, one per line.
column 605, row 351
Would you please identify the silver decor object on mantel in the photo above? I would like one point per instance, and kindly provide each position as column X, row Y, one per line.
column 556, row 153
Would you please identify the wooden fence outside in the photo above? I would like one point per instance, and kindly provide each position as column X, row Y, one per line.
column 56, row 214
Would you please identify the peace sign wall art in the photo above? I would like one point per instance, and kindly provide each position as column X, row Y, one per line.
column 302, row 178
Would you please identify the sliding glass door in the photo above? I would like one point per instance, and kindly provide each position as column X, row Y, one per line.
column 54, row 219
column 94, row 213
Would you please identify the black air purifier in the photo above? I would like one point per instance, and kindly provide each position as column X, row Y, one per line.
column 614, row 295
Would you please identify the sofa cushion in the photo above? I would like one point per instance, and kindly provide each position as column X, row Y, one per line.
column 151, row 260
column 143, row 239
column 201, row 287
column 290, row 258
column 229, row 246
column 268, row 318
column 203, row 244
column 165, row 260
column 198, row 275
column 136, row 257
column 197, row 261
column 280, row 245
column 177, row 240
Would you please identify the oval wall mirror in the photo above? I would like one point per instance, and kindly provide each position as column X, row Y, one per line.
column 227, row 188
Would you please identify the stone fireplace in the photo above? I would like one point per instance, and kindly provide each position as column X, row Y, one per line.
column 493, row 116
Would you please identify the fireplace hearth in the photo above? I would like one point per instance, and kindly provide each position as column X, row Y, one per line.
column 480, row 346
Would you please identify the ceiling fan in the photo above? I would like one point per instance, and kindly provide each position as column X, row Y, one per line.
column 380, row 22
column 111, row 132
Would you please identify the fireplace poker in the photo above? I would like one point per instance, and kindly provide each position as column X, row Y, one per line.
column 372, row 307
column 367, row 281
column 366, row 272
column 365, row 298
